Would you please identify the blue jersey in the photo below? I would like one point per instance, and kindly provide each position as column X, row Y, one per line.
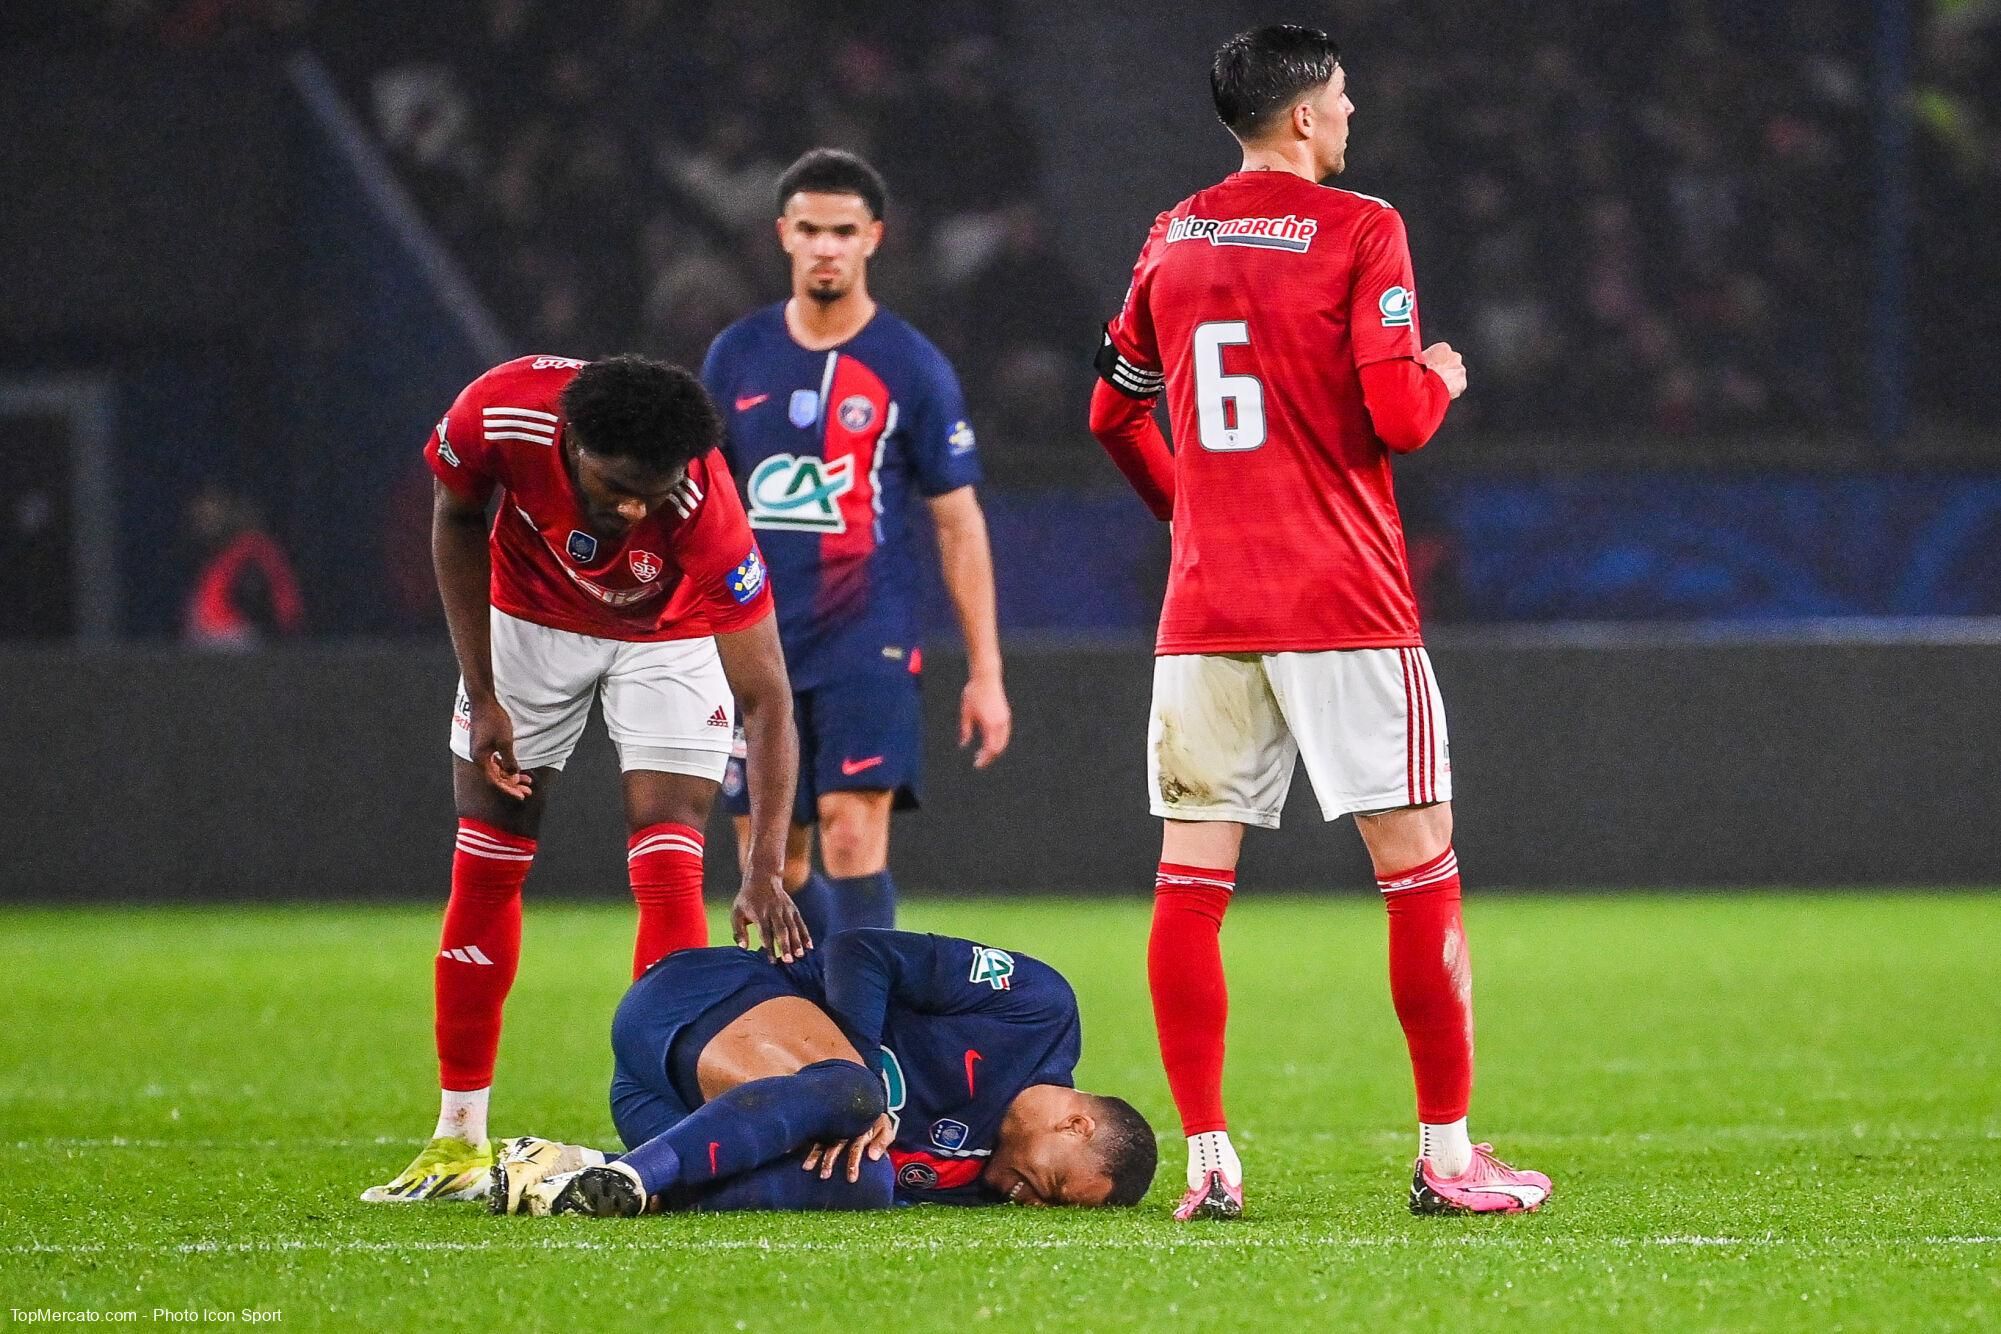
column 957, row 1029
column 828, row 449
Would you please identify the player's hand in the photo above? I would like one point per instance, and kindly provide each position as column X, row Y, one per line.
column 874, row 1144
column 1451, row 367
column 493, row 749
column 763, row 902
column 983, row 709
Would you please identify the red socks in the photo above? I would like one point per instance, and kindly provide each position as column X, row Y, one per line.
column 478, row 951
column 1184, row 968
column 665, row 862
column 1431, row 983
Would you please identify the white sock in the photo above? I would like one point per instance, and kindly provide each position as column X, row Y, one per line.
column 1447, row 1146
column 462, row 1115
column 1211, row 1152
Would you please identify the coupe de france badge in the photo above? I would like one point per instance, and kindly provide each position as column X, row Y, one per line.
column 583, row 548
column 804, row 409
column 1396, row 306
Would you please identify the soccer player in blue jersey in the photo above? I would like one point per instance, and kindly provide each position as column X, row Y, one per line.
column 883, row 1068
column 837, row 416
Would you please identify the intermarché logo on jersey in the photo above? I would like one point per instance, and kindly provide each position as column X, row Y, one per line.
column 800, row 491
column 1286, row 233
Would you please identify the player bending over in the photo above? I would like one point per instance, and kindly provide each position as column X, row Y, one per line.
column 923, row 1068
column 1280, row 316
column 838, row 415
column 618, row 565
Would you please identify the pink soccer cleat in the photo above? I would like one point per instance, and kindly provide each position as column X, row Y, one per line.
column 1488, row 1186
column 1214, row 1198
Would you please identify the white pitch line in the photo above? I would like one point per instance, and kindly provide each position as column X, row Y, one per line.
column 1861, row 1131
column 668, row 1240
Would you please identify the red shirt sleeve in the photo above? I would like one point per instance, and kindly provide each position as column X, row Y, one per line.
column 1130, row 360
column 1125, row 427
column 719, row 556
column 457, row 450
column 1406, row 402
column 1382, row 306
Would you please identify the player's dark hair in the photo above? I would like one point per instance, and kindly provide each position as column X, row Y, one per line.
column 1262, row 72
column 631, row 408
column 1127, row 1149
column 835, row 171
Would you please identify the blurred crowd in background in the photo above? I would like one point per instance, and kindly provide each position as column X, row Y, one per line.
column 1657, row 230
column 1634, row 217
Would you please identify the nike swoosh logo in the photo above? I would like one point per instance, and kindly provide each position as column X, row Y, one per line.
column 1521, row 1194
column 853, row 767
column 971, row 1057
column 749, row 401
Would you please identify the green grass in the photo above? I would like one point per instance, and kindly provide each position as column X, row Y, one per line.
column 1775, row 1111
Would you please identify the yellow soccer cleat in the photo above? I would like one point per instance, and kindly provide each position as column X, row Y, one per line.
column 525, row 1165
column 447, row 1169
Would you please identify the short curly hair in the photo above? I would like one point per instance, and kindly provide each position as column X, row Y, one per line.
column 630, row 407
column 1127, row 1149
column 835, row 171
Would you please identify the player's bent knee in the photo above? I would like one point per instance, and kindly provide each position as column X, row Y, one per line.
column 852, row 1093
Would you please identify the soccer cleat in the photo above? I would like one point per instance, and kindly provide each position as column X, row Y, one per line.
column 527, row 1162
column 1214, row 1198
column 1487, row 1186
column 610, row 1191
column 447, row 1169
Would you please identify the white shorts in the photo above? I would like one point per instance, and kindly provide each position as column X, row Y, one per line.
column 1226, row 729
column 667, row 705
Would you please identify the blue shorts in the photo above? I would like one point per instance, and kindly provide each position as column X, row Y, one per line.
column 671, row 1013
column 857, row 734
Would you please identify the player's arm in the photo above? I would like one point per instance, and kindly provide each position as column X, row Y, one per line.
column 965, row 559
column 1123, row 423
column 1130, row 378
column 754, row 664
column 946, row 462
column 868, row 968
column 459, row 555
column 1405, row 390
column 720, row 556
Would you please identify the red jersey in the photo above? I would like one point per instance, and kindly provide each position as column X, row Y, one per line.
column 689, row 569
column 1256, row 303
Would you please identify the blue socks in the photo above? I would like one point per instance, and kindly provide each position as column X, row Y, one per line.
column 784, row 1185
column 760, row 1121
column 862, row 900
column 815, row 901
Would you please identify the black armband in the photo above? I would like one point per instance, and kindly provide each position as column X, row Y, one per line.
column 1132, row 380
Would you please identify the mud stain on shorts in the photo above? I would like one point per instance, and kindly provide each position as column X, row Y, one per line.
column 1179, row 782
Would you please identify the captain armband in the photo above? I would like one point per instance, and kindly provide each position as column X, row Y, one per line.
column 1134, row 381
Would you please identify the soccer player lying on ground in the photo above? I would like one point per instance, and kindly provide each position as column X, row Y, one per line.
column 884, row 1067
column 1279, row 316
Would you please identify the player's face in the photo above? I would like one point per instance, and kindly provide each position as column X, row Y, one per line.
column 829, row 239
column 1056, row 1168
column 1331, row 110
column 617, row 493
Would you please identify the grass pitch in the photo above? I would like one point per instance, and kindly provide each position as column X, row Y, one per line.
column 1760, row 1112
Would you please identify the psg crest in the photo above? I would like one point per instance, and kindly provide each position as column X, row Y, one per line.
column 645, row 566
column 856, row 412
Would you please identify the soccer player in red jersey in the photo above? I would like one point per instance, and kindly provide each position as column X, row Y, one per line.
column 619, row 565
column 1280, row 318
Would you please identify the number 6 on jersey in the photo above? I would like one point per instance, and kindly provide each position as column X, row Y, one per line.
column 1229, row 409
